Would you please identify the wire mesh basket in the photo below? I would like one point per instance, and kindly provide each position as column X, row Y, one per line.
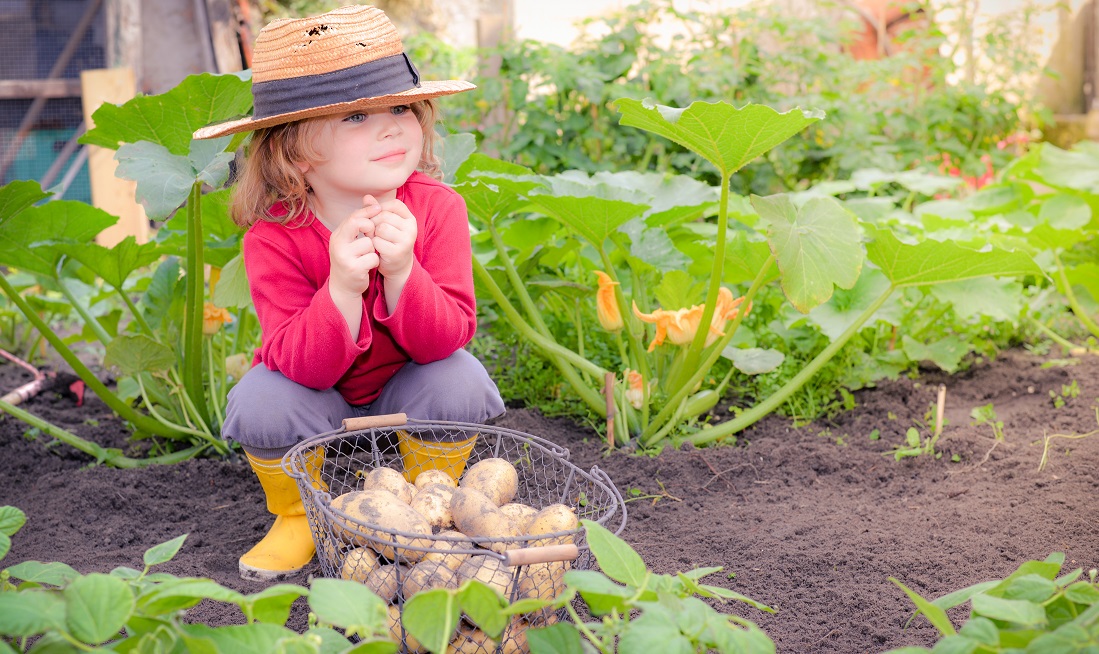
column 334, row 470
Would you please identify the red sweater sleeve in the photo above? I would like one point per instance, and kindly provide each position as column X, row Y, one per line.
column 305, row 337
column 437, row 312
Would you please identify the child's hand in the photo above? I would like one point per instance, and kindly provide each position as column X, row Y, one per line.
column 394, row 235
column 351, row 251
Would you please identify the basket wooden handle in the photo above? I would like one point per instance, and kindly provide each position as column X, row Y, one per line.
column 370, row 422
column 545, row 554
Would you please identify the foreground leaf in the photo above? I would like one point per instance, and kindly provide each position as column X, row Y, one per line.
column 933, row 262
column 97, row 607
column 432, row 617
column 616, row 558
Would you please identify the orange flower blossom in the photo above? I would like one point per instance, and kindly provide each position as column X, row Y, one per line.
column 680, row 326
column 635, row 388
column 213, row 317
column 606, row 307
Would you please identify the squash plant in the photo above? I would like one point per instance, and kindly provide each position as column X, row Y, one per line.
column 167, row 344
column 640, row 235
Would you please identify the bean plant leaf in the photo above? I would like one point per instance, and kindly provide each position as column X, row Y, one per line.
column 26, row 237
column 169, row 119
column 113, row 264
column 258, row 638
column 816, row 247
column 432, row 617
column 348, row 605
column 754, row 360
column 724, row 135
column 137, row 353
column 555, row 639
column 30, row 612
column 934, row 262
column 640, row 634
column 164, row 179
column 935, row 615
column 163, row 552
column 17, row 196
column 601, row 594
column 616, row 558
column 5, row 544
column 272, row 604
column 97, row 607
column 54, row 574
column 1020, row 612
column 484, row 606
column 11, row 520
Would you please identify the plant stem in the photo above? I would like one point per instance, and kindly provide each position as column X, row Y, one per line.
column 1052, row 335
column 1078, row 310
column 558, row 355
column 140, row 319
column 751, row 416
column 628, row 319
column 192, row 313
column 125, row 411
column 214, row 389
column 110, row 456
column 516, row 282
column 86, row 315
column 156, row 415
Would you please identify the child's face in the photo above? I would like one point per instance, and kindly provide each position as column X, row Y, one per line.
column 370, row 152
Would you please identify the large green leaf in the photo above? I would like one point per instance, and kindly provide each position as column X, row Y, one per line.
column 1021, row 612
column 26, row 236
column 257, row 638
column 432, row 617
column 54, row 574
column 845, row 306
column 97, row 607
column 493, row 189
column 30, row 612
column 555, row 639
column 11, row 520
column 642, row 633
column 945, row 353
column 348, row 605
column 672, row 198
column 724, row 135
column 653, row 247
column 616, row 558
column 484, row 606
column 17, row 196
column 113, row 264
column 232, row 289
column 754, row 360
column 593, row 217
column 1077, row 168
column 164, row 179
column 816, row 247
column 999, row 299
column 137, row 353
column 170, row 118
column 934, row 262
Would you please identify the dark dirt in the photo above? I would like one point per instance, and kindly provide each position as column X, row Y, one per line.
column 812, row 520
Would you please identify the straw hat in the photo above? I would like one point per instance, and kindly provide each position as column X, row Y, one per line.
column 350, row 58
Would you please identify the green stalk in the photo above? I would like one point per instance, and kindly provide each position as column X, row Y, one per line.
column 677, row 398
column 88, row 318
column 516, row 282
column 558, row 355
column 140, row 319
column 214, row 389
column 632, row 341
column 192, row 313
column 156, row 414
column 1078, row 310
column 110, row 456
column 189, row 406
column 124, row 411
column 698, row 344
column 751, row 416
column 1054, row 336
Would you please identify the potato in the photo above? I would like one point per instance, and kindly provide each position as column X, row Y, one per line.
column 487, row 570
column 382, row 508
column 471, row 641
column 383, row 478
column 433, row 503
column 443, row 547
column 543, row 580
column 435, row 477
column 383, row 582
column 426, row 575
column 358, row 563
column 411, row 645
column 520, row 514
column 553, row 518
column 514, row 638
column 496, row 478
column 476, row 515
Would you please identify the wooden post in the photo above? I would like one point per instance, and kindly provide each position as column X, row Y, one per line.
column 110, row 193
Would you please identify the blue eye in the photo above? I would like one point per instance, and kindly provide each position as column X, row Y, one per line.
column 355, row 118
column 400, row 109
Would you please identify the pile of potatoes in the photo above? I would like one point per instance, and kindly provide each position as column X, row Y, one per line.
column 440, row 514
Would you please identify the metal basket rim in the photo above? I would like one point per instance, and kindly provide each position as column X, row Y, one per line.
column 323, row 499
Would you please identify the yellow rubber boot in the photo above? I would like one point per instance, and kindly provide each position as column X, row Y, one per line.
column 288, row 545
column 419, row 455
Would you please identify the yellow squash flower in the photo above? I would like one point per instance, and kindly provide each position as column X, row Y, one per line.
column 680, row 326
column 213, row 317
column 606, row 307
column 635, row 388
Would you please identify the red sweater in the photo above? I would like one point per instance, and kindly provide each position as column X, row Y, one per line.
column 306, row 338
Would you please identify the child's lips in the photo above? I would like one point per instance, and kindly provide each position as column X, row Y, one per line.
column 389, row 157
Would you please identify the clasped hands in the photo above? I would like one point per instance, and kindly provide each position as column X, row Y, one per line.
column 379, row 235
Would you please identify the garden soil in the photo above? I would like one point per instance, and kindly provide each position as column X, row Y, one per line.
column 812, row 520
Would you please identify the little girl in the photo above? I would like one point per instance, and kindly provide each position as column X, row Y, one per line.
column 358, row 258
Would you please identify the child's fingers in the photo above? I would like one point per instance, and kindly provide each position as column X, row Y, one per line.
column 356, row 225
column 399, row 208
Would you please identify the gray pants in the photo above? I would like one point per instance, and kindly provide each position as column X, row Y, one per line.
column 268, row 414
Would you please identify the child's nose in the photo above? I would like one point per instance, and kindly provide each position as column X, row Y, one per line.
column 392, row 126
